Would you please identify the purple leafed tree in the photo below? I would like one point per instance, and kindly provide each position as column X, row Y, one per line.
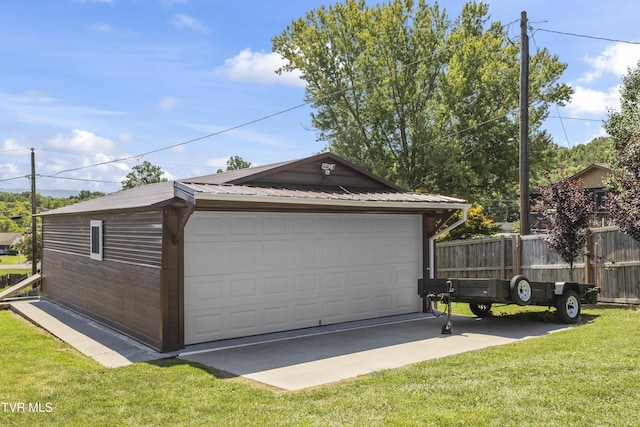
column 564, row 208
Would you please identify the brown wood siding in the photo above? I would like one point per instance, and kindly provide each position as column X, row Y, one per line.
column 311, row 175
column 172, row 279
column 132, row 237
column 123, row 296
column 124, row 289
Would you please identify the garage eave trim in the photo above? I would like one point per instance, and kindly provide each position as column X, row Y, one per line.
column 189, row 195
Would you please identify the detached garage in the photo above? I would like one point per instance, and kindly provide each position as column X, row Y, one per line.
column 292, row 245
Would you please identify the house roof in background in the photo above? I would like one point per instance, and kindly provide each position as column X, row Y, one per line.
column 592, row 175
column 8, row 239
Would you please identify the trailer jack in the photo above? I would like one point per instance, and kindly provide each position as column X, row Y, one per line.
column 445, row 298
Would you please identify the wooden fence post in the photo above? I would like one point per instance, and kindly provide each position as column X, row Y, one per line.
column 517, row 255
column 588, row 241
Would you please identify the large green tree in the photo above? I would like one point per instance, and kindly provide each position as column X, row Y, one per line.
column 573, row 160
column 624, row 183
column 423, row 100
column 235, row 163
column 142, row 174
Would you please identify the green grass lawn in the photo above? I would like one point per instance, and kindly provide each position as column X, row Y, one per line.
column 12, row 259
column 588, row 375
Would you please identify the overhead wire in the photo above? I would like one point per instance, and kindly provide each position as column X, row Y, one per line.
column 245, row 124
column 564, row 33
column 286, row 110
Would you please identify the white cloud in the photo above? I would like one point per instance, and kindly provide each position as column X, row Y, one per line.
column 39, row 96
column 9, row 170
column 102, row 28
column 124, row 137
column 168, row 103
column 616, row 59
column 82, row 141
column 220, row 163
column 590, row 101
column 96, row 1
column 259, row 67
column 184, row 21
column 170, row 3
column 11, row 147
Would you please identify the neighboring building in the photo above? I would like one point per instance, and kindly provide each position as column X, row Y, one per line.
column 7, row 240
column 264, row 249
column 592, row 177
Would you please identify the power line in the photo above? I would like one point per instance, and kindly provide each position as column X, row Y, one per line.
column 575, row 118
column 564, row 33
column 78, row 179
column 263, row 118
column 14, row 178
column 260, row 119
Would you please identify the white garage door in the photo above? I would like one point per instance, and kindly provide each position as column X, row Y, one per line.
column 253, row 273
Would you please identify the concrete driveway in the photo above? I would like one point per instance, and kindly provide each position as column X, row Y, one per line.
column 302, row 359
column 296, row 360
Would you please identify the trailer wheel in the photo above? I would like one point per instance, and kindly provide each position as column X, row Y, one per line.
column 568, row 307
column 480, row 310
column 521, row 292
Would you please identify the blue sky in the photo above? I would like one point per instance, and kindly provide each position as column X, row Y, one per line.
column 91, row 81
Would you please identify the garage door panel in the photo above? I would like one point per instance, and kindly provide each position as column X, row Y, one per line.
column 333, row 311
column 202, row 259
column 305, row 224
column 276, row 317
column 275, row 287
column 242, row 225
column 249, row 273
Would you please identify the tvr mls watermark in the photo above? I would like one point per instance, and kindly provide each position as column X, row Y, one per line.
column 42, row 407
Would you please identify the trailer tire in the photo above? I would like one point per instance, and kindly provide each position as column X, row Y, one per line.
column 568, row 307
column 480, row 310
column 521, row 292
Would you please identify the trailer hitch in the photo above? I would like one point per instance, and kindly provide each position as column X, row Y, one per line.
column 445, row 298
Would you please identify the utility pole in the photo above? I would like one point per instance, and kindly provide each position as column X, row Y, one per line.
column 34, row 236
column 524, row 126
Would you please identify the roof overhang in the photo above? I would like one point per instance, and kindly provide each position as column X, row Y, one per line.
column 203, row 196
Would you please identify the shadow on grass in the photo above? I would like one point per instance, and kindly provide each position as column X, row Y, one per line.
column 544, row 316
column 174, row 361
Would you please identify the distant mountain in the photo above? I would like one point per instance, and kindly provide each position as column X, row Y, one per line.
column 56, row 194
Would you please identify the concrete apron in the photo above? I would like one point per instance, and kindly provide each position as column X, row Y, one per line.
column 315, row 356
column 295, row 360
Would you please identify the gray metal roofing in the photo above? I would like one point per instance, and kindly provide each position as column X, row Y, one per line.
column 163, row 193
column 228, row 186
column 139, row 197
column 241, row 190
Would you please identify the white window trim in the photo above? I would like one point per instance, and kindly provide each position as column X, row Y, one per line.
column 96, row 226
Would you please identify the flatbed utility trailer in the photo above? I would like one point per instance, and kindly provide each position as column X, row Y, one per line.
column 481, row 293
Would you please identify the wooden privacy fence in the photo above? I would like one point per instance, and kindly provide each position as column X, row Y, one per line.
column 611, row 261
column 11, row 279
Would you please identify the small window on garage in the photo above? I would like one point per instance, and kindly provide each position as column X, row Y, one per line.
column 96, row 239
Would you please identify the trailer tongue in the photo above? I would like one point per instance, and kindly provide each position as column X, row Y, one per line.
column 480, row 294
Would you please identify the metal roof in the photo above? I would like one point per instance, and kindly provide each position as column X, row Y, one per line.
column 234, row 187
column 150, row 195
column 208, row 192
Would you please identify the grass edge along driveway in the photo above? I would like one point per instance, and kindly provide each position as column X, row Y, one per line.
column 587, row 375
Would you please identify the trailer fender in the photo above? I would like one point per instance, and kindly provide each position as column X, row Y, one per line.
column 559, row 290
